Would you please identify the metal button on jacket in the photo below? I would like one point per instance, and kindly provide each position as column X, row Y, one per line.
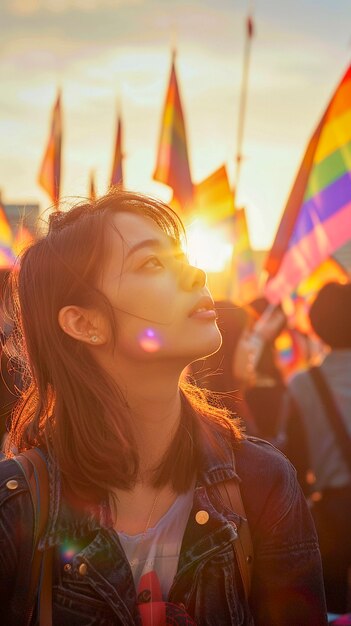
column 82, row 569
column 12, row 484
column 202, row 517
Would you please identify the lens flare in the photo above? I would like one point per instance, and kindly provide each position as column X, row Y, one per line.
column 149, row 340
column 210, row 247
column 68, row 550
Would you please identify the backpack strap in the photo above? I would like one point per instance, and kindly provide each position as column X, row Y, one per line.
column 35, row 470
column 230, row 494
column 333, row 413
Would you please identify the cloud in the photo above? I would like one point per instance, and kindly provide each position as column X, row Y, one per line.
column 30, row 7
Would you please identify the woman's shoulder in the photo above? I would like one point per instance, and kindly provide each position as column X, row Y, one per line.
column 17, row 523
column 262, row 454
column 8, row 466
column 12, row 479
column 16, row 510
column 268, row 481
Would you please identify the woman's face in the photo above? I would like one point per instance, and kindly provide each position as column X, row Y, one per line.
column 163, row 308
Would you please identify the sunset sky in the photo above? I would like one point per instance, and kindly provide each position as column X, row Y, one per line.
column 101, row 52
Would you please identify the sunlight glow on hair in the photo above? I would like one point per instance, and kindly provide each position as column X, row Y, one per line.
column 208, row 246
column 149, row 340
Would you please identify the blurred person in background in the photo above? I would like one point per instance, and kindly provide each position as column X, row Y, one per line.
column 255, row 365
column 316, row 436
column 216, row 372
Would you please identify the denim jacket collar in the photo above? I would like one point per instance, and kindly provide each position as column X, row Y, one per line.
column 69, row 519
column 214, row 467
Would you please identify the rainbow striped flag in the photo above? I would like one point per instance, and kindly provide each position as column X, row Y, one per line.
column 329, row 271
column 117, row 169
column 50, row 171
column 172, row 165
column 22, row 240
column 293, row 352
column 244, row 264
column 213, row 197
column 7, row 256
column 317, row 217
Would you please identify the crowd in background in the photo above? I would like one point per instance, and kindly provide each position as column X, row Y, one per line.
column 300, row 400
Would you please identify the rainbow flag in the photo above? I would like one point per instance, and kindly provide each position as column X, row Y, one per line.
column 317, row 217
column 329, row 271
column 50, row 171
column 7, row 256
column 293, row 352
column 117, row 169
column 244, row 264
column 23, row 239
column 213, row 197
column 172, row 165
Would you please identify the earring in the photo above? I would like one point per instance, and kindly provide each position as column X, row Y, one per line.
column 94, row 338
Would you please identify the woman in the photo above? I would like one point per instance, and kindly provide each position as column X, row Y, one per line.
column 111, row 313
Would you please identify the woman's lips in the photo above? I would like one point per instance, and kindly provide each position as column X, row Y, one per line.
column 204, row 314
column 204, row 309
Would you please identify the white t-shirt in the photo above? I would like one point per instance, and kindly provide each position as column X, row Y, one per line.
column 157, row 550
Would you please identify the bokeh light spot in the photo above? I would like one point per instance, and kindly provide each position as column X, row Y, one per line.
column 68, row 550
column 149, row 340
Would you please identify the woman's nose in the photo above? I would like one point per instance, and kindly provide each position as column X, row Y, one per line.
column 192, row 278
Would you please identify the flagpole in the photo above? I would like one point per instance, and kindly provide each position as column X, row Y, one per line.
column 233, row 289
column 243, row 100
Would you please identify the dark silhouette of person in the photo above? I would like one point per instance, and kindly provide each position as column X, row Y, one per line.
column 216, row 372
column 309, row 439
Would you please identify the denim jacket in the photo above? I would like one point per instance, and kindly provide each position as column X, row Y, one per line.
column 92, row 580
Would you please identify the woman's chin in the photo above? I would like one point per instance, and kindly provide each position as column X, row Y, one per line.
column 209, row 347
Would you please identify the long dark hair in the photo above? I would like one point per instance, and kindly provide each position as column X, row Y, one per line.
column 71, row 406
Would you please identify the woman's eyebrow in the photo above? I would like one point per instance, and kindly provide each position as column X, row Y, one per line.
column 150, row 243
column 145, row 243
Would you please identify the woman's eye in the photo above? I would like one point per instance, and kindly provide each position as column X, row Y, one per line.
column 152, row 262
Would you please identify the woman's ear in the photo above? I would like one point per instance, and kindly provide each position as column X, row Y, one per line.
column 82, row 324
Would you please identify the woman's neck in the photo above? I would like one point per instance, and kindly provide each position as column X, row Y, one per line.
column 155, row 422
column 154, row 402
column 151, row 391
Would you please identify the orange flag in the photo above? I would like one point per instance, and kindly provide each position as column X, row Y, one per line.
column 50, row 171
column 23, row 239
column 172, row 166
column 117, row 169
column 243, row 259
column 6, row 240
column 213, row 197
column 92, row 190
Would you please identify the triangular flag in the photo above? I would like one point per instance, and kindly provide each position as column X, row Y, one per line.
column 7, row 256
column 92, row 190
column 117, row 168
column 213, row 197
column 50, row 171
column 172, row 165
column 23, row 239
column 329, row 271
column 244, row 264
column 317, row 218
